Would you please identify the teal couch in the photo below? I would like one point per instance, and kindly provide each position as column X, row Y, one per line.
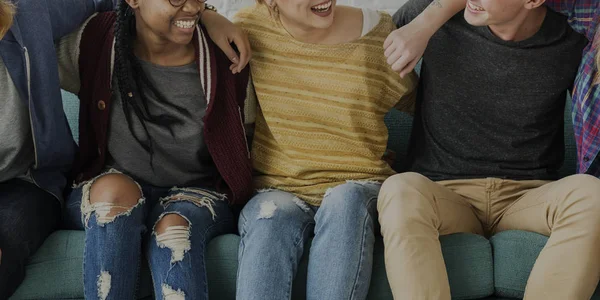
column 477, row 268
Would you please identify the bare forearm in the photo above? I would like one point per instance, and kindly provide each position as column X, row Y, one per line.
column 211, row 16
column 438, row 13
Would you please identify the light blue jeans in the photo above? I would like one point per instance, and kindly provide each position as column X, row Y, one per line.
column 113, row 249
column 275, row 226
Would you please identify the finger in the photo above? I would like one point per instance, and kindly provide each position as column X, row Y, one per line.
column 234, row 68
column 389, row 40
column 243, row 46
column 401, row 63
column 393, row 58
column 228, row 50
column 389, row 50
column 411, row 66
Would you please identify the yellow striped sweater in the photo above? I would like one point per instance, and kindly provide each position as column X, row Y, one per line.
column 319, row 121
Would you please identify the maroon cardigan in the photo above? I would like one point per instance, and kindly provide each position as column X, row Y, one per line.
column 223, row 122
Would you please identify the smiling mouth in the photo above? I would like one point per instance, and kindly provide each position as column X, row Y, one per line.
column 185, row 24
column 323, row 7
column 475, row 7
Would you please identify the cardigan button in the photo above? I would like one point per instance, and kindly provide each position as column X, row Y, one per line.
column 101, row 105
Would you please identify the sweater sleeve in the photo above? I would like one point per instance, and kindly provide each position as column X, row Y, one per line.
column 67, row 50
column 409, row 93
column 67, row 15
column 401, row 90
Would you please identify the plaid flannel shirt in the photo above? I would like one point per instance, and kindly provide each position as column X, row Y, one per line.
column 584, row 17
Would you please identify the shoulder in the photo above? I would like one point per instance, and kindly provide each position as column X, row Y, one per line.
column 251, row 14
column 349, row 12
column 96, row 29
column 257, row 22
column 349, row 18
column 381, row 23
column 104, row 21
column 386, row 23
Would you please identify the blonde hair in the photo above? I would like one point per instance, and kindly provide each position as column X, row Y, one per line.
column 7, row 11
column 272, row 7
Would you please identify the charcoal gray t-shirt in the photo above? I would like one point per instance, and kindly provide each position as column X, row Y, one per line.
column 16, row 142
column 180, row 156
column 488, row 107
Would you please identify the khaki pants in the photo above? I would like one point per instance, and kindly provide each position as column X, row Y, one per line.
column 414, row 211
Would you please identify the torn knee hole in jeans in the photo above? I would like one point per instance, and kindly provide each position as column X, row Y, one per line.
column 106, row 212
column 267, row 210
column 363, row 182
column 301, row 204
column 260, row 191
column 170, row 294
column 104, row 285
column 197, row 196
column 175, row 238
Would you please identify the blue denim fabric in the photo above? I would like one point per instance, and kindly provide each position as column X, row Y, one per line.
column 275, row 227
column 113, row 250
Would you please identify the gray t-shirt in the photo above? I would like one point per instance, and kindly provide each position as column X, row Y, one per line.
column 180, row 156
column 491, row 108
column 16, row 143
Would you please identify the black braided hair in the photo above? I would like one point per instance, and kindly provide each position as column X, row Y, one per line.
column 132, row 80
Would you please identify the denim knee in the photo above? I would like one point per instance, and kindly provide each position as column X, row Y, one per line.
column 110, row 196
column 275, row 213
column 352, row 198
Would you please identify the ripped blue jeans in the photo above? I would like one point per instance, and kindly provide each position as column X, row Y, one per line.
column 275, row 226
column 113, row 246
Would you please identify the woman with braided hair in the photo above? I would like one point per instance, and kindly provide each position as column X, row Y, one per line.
column 162, row 150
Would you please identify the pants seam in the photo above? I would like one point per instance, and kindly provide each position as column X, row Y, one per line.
column 362, row 250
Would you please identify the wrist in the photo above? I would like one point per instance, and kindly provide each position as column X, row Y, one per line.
column 426, row 24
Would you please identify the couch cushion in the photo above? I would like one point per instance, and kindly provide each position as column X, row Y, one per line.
column 515, row 253
column 55, row 271
column 468, row 259
column 71, row 108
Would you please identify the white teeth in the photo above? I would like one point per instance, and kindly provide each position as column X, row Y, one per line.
column 322, row 7
column 475, row 7
column 185, row 24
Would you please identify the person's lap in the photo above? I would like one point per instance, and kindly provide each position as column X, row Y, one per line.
column 28, row 215
column 412, row 205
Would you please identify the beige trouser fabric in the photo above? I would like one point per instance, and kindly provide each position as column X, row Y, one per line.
column 414, row 211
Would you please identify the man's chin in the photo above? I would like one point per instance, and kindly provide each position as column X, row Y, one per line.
column 475, row 21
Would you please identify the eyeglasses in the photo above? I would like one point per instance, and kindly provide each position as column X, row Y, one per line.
column 178, row 3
